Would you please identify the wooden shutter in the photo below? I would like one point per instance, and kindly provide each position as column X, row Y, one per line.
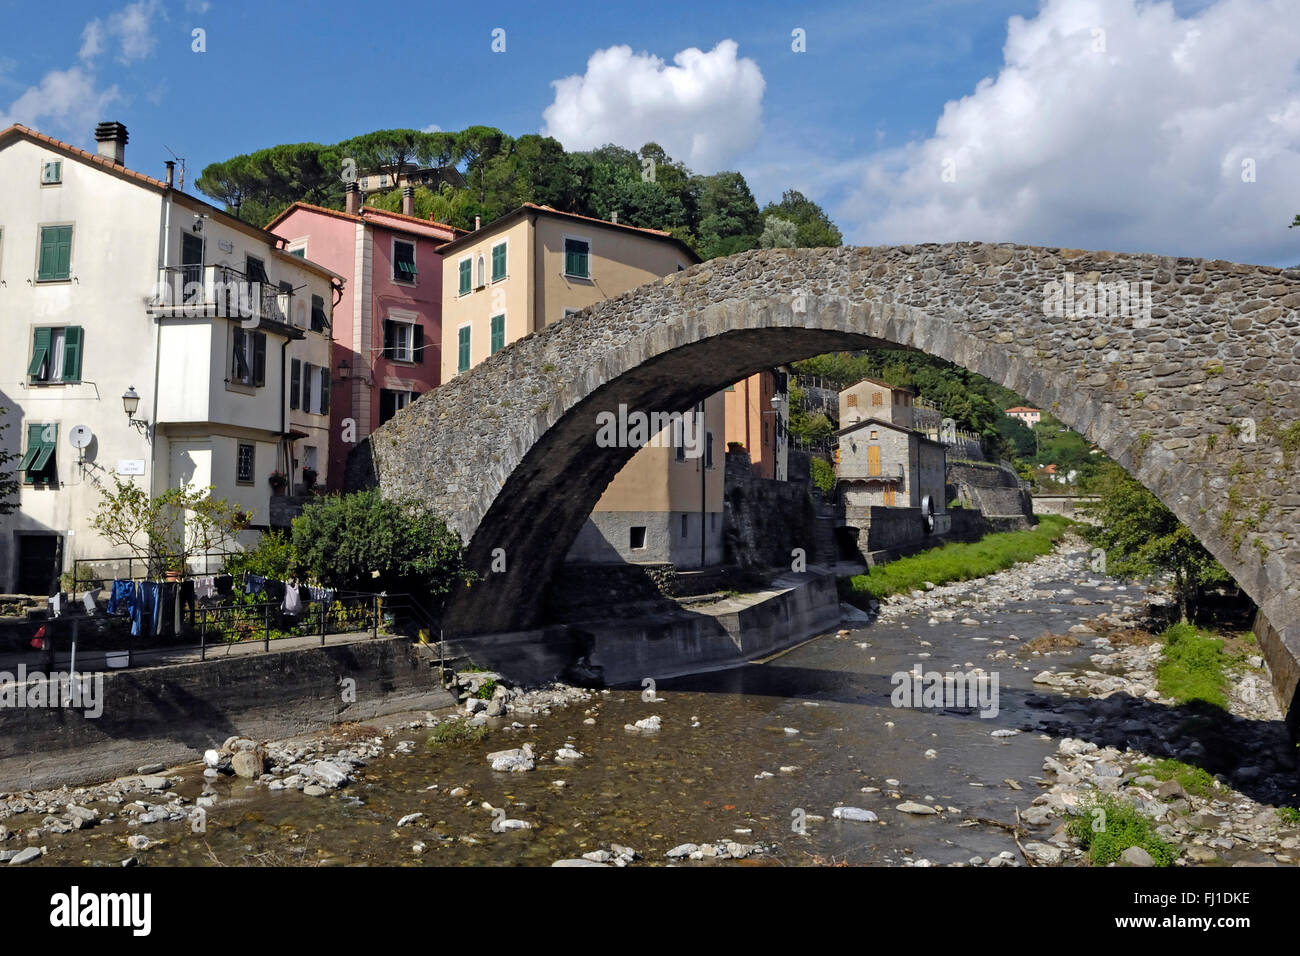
column 417, row 343
column 40, row 352
column 390, row 340
column 463, row 357
column 56, row 252
column 325, row 391
column 239, row 371
column 307, row 369
column 295, row 379
column 387, row 405
column 499, row 262
column 72, row 336
column 464, row 276
column 873, row 460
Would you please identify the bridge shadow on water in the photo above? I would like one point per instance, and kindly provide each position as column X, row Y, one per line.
column 1254, row 757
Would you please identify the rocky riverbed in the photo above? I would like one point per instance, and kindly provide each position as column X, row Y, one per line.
column 801, row 759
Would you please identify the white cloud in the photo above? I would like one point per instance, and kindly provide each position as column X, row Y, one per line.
column 197, row 6
column 1138, row 147
column 132, row 29
column 432, row 128
column 704, row 110
column 69, row 98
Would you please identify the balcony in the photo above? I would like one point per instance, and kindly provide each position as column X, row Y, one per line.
column 199, row 291
column 871, row 471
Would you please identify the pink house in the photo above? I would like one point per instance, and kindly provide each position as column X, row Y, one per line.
column 388, row 327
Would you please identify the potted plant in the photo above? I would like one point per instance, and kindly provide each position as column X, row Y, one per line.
column 278, row 481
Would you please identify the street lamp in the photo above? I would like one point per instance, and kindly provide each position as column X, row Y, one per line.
column 131, row 403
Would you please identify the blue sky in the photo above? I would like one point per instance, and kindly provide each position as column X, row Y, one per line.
column 918, row 121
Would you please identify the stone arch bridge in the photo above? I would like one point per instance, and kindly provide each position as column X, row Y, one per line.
column 1186, row 371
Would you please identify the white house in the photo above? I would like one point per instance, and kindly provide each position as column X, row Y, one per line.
column 117, row 290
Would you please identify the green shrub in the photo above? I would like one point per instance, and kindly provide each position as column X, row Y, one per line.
column 272, row 558
column 1191, row 666
column 1120, row 828
column 954, row 562
column 343, row 539
column 823, row 475
column 1290, row 816
column 486, row 690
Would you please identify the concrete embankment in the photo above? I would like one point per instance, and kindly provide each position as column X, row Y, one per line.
column 171, row 714
column 734, row 630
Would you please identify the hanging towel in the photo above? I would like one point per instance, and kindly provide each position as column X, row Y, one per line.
column 204, row 587
column 292, row 600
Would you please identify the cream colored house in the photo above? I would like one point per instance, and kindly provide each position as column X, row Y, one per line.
column 532, row 267
column 117, row 290
column 873, row 399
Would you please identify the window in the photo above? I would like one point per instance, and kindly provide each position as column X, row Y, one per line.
column 684, row 520
column 403, row 261
column 255, row 270
column 55, row 255
column 309, row 388
column 403, row 341
column 245, row 456
column 38, row 465
column 708, row 450
column 319, row 320
column 56, row 355
column 498, row 333
column 853, row 401
column 462, row 358
column 877, row 399
column 465, row 269
column 874, row 434
column 248, row 358
column 576, row 255
column 51, row 173
column 392, row 401
column 300, row 252
column 498, row 261
column 636, row 538
column 481, row 267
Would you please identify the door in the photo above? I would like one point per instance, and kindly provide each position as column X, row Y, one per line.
column 192, row 264
column 873, row 460
column 889, row 496
column 40, row 559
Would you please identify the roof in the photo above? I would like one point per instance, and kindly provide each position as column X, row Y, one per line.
column 108, row 166
column 1024, row 408
column 876, row 381
column 920, row 436
column 368, row 214
column 529, row 207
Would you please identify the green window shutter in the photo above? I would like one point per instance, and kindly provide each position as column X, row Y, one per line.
column 259, row 359
column 417, row 343
column 56, row 253
column 300, row 253
column 390, row 339
column 33, row 447
column 295, row 381
column 41, row 442
column 72, row 353
column 498, row 333
column 239, row 366
column 40, row 352
column 498, row 262
column 465, row 270
column 324, row 391
column 575, row 258
column 306, row 386
column 463, row 363
column 404, row 258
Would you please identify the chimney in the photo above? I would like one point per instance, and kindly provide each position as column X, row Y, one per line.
column 170, row 177
column 613, row 217
column 353, row 198
column 408, row 200
column 477, row 223
column 111, row 138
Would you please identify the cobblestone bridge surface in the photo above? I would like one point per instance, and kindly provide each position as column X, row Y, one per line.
column 1186, row 371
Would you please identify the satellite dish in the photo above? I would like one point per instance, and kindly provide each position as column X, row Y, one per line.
column 79, row 436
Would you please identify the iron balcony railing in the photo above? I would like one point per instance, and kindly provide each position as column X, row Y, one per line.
column 218, row 292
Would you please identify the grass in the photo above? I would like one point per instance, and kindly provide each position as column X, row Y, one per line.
column 954, row 562
column 1194, row 780
column 1120, row 828
column 1191, row 666
column 486, row 690
column 455, row 732
column 1290, row 816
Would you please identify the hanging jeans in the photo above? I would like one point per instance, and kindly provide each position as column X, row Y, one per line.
column 122, row 597
column 145, row 613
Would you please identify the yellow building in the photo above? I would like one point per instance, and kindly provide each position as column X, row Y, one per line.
column 532, row 267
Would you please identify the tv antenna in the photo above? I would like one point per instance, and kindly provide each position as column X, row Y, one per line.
column 180, row 183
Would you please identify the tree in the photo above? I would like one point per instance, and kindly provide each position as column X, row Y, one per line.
column 729, row 217
column 166, row 530
column 1142, row 537
column 813, row 227
column 9, row 481
column 343, row 539
column 778, row 233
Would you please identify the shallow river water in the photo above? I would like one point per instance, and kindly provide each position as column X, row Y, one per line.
column 685, row 783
